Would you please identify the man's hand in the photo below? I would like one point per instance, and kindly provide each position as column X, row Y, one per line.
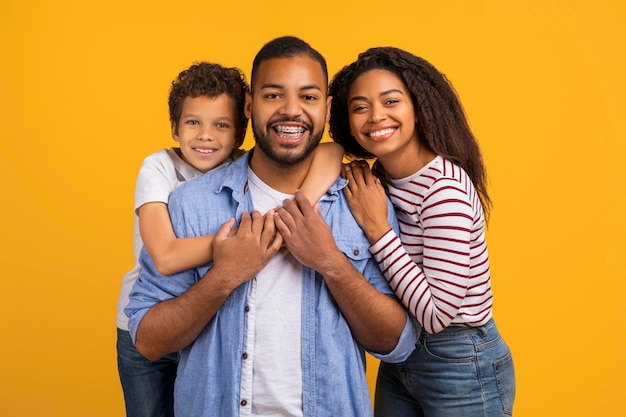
column 305, row 233
column 255, row 239
column 375, row 319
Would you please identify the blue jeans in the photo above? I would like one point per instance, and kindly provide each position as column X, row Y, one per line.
column 148, row 386
column 460, row 371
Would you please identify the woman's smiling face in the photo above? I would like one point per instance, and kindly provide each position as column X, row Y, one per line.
column 381, row 112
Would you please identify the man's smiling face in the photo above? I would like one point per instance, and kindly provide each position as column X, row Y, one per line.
column 289, row 108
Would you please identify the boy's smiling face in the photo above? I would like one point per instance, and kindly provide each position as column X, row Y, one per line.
column 206, row 131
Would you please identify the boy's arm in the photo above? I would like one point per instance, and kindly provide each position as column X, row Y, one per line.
column 324, row 170
column 162, row 327
column 170, row 254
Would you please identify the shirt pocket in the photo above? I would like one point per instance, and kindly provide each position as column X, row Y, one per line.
column 357, row 252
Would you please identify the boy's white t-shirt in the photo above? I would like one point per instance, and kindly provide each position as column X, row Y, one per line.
column 159, row 175
column 273, row 368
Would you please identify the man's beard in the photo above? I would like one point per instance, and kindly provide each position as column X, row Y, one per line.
column 282, row 155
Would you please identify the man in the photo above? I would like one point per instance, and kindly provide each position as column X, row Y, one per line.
column 277, row 325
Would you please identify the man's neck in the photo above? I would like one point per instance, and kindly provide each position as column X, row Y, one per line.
column 283, row 178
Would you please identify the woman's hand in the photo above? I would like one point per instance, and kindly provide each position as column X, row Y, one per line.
column 367, row 199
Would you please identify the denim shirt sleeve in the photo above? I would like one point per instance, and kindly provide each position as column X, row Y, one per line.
column 187, row 208
column 152, row 288
column 354, row 244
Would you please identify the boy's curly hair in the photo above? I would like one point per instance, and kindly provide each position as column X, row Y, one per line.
column 440, row 119
column 211, row 80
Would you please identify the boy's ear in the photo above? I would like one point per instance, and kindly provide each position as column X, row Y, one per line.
column 174, row 131
column 247, row 107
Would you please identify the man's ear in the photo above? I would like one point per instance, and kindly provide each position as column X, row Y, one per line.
column 329, row 102
column 174, row 131
column 247, row 106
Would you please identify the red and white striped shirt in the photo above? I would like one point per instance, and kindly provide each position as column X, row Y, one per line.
column 439, row 266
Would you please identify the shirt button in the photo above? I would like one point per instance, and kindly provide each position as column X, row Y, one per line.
column 247, row 309
column 356, row 252
column 244, row 403
column 245, row 356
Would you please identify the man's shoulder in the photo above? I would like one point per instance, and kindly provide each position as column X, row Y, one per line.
column 202, row 184
column 211, row 183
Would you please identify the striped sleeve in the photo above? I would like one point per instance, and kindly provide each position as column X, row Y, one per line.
column 433, row 291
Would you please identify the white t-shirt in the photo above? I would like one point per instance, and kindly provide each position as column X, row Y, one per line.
column 158, row 176
column 274, row 338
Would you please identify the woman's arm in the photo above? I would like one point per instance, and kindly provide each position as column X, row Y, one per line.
column 434, row 291
column 169, row 254
column 324, row 170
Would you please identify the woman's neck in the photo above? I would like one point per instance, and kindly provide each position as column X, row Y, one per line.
column 407, row 161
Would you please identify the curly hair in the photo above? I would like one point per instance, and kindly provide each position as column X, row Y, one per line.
column 286, row 47
column 211, row 80
column 441, row 121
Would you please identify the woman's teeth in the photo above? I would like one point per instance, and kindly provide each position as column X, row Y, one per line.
column 380, row 133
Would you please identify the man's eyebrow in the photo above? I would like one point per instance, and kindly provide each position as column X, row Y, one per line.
column 270, row 85
column 282, row 87
column 311, row 87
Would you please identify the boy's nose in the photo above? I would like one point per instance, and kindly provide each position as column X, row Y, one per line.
column 205, row 134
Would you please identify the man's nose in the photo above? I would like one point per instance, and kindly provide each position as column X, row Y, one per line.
column 291, row 106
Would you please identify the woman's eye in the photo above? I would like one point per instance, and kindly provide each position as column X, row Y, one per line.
column 192, row 122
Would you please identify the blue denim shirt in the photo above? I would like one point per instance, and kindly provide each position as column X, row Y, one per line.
column 209, row 373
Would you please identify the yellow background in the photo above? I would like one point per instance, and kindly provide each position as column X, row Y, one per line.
column 83, row 90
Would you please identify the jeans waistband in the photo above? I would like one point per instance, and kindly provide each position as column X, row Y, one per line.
column 452, row 331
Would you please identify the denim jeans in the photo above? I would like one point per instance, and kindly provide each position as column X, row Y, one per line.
column 459, row 372
column 148, row 385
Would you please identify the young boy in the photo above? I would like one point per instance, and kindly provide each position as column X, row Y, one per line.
column 206, row 105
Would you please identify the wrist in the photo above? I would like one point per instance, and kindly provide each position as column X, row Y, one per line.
column 374, row 234
column 220, row 281
column 332, row 264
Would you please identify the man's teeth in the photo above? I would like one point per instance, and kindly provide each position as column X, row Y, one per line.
column 380, row 133
column 289, row 132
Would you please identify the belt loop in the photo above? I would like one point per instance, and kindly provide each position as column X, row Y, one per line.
column 483, row 331
column 420, row 339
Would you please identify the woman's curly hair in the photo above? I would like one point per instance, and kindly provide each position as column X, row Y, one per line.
column 441, row 122
column 211, row 80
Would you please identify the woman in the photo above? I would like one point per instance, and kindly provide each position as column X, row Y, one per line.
column 398, row 108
